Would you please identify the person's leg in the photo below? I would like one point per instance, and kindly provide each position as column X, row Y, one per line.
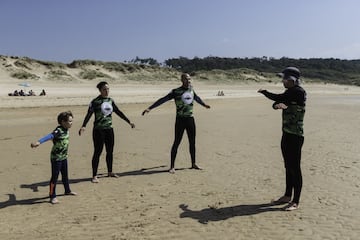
column 65, row 178
column 296, row 168
column 191, row 133
column 109, row 146
column 179, row 131
column 98, row 140
column 64, row 175
column 295, row 145
column 286, row 153
column 55, row 170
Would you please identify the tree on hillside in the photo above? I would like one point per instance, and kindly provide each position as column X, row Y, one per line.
column 326, row 69
column 147, row 61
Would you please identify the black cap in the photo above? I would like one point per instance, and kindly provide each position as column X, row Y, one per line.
column 290, row 73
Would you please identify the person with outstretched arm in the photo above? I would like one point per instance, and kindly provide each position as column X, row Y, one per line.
column 59, row 154
column 103, row 133
column 292, row 103
column 184, row 97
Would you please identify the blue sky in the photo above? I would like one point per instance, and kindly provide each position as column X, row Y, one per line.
column 118, row 30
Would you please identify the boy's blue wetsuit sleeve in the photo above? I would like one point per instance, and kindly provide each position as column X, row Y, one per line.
column 46, row 138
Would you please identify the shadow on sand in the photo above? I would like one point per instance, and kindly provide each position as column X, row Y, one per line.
column 12, row 201
column 143, row 171
column 212, row 214
column 35, row 186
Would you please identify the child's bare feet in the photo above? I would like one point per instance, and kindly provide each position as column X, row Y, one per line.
column 54, row 201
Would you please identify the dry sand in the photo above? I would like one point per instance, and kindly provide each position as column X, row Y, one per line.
column 237, row 145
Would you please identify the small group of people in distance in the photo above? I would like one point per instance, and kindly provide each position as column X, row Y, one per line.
column 220, row 93
column 23, row 93
column 291, row 102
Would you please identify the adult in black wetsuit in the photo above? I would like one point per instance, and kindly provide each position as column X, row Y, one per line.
column 292, row 103
column 103, row 134
column 184, row 97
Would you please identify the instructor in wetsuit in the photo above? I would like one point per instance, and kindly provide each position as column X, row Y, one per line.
column 292, row 104
column 184, row 97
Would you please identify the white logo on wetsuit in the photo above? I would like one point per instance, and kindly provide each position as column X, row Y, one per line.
column 106, row 108
column 187, row 97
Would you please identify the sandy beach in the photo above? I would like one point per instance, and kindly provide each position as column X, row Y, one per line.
column 238, row 145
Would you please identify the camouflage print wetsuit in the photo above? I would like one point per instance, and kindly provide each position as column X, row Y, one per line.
column 293, row 135
column 103, row 132
column 184, row 98
column 58, row 157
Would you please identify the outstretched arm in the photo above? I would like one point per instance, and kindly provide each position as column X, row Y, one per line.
column 42, row 140
column 272, row 96
column 278, row 98
column 159, row 102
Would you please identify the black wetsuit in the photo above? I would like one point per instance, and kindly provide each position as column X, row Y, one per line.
column 293, row 136
column 184, row 98
column 103, row 132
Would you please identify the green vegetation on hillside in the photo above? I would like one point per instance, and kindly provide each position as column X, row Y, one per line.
column 314, row 69
column 214, row 69
column 93, row 74
column 21, row 74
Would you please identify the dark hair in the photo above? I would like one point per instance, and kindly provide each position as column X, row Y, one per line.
column 101, row 84
column 64, row 116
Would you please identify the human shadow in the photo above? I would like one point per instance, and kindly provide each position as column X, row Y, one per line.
column 35, row 186
column 147, row 171
column 144, row 171
column 12, row 201
column 213, row 214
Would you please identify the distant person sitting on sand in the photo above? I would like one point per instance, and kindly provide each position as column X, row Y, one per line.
column 32, row 93
column 15, row 93
column 220, row 93
column 43, row 93
column 21, row 93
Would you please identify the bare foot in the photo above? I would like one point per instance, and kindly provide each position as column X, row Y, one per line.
column 292, row 206
column 112, row 175
column 194, row 166
column 71, row 193
column 95, row 180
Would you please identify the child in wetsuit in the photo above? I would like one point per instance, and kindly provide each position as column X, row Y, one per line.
column 59, row 154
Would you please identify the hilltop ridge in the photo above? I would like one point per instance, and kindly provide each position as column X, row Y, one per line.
column 14, row 68
column 24, row 68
